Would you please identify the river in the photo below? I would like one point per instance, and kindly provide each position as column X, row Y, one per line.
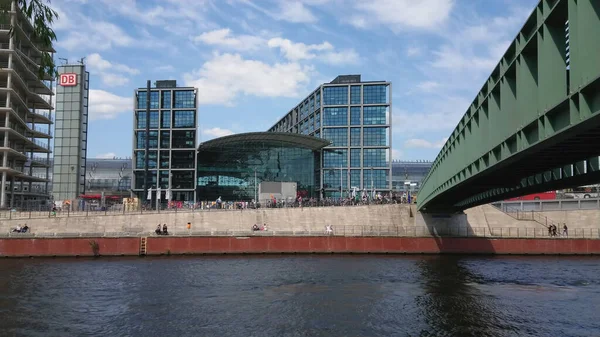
column 304, row 295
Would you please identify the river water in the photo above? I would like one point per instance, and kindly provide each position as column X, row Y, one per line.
column 305, row 295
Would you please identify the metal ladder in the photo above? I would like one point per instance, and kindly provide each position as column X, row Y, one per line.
column 143, row 246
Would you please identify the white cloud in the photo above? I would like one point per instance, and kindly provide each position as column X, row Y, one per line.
column 96, row 35
column 413, row 51
column 396, row 154
column 105, row 105
column 224, row 38
column 112, row 74
column 436, row 115
column 109, row 155
column 424, row 144
column 428, row 86
column 221, row 79
column 296, row 51
column 403, row 14
column 295, row 11
column 349, row 56
column 217, row 132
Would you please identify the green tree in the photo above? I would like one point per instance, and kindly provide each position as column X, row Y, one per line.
column 41, row 16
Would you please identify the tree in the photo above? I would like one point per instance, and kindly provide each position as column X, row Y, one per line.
column 41, row 16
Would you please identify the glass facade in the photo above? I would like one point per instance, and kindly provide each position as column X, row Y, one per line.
column 172, row 148
column 355, row 117
column 228, row 169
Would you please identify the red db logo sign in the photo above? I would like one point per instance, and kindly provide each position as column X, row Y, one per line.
column 68, row 80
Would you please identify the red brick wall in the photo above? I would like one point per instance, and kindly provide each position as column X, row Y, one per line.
column 216, row 245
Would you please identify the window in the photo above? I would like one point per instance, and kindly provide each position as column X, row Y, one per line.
column 164, row 178
column 183, row 139
column 355, row 94
column 141, row 99
column 375, row 157
column 335, row 95
column 141, row 139
column 332, row 179
column 141, row 119
column 317, row 120
column 185, row 99
column 184, row 119
column 165, row 139
column 182, row 159
column 355, row 115
column 355, row 158
column 375, row 94
column 375, row 115
column 375, row 178
column 338, row 136
column 182, row 179
column 318, row 100
column 335, row 158
column 375, row 136
column 164, row 159
column 140, row 159
column 335, row 116
column 165, row 121
column 355, row 178
column 355, row 137
column 166, row 100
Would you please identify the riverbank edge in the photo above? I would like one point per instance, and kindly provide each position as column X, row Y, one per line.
column 214, row 245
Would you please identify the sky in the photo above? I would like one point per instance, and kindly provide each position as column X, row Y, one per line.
column 254, row 60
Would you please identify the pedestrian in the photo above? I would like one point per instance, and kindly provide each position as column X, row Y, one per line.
column 565, row 230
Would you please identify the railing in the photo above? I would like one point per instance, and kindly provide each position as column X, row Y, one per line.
column 551, row 205
column 41, row 160
column 39, row 143
column 532, row 216
column 120, row 209
column 40, row 113
column 344, row 231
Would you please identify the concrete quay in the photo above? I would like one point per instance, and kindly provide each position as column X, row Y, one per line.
column 373, row 220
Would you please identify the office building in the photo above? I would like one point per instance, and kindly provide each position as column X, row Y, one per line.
column 408, row 175
column 356, row 117
column 70, row 132
column 241, row 166
column 170, row 158
column 25, row 112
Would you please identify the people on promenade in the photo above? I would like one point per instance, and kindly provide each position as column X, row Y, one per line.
column 255, row 228
column 329, row 230
column 158, row 230
column 264, row 228
column 164, row 230
column 550, row 230
column 566, row 230
column 189, row 225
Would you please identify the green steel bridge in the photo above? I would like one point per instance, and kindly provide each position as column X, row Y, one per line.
column 535, row 124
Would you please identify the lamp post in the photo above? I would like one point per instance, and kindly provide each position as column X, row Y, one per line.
column 255, row 195
column 372, row 188
column 341, row 183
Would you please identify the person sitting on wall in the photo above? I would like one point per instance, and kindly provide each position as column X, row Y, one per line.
column 17, row 229
column 255, row 228
column 164, row 231
column 25, row 229
column 264, row 228
column 157, row 231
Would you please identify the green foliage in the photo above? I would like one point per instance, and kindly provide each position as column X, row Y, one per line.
column 41, row 15
column 95, row 247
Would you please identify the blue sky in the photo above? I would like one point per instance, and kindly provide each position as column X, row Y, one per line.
column 253, row 60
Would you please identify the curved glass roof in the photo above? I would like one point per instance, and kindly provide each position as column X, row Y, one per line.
column 292, row 139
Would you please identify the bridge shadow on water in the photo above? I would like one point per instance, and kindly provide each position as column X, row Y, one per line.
column 452, row 305
column 454, row 234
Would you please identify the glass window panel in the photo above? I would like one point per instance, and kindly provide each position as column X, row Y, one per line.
column 337, row 136
column 375, row 115
column 355, row 137
column 375, row 157
column 355, row 178
column 182, row 159
column 164, row 159
column 376, row 179
column 154, row 99
column 184, row 119
column 332, row 179
column 141, row 119
column 141, row 139
column 165, row 121
column 335, row 116
column 335, row 95
column 355, row 115
column 355, row 94
column 185, row 99
column 166, row 100
column 335, row 158
column 375, row 94
column 375, row 136
column 183, row 139
column 165, row 139
column 355, row 158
